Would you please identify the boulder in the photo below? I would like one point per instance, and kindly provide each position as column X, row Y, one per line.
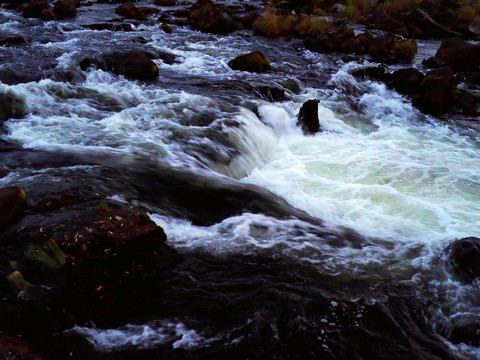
column 111, row 26
column 11, row 107
column 65, row 8
column 438, row 91
column 459, row 54
column 12, row 204
column 165, row 2
column 34, row 9
column 12, row 41
column 252, row 62
column 308, row 117
column 130, row 11
column 48, row 15
column 209, row 17
column 406, row 81
column 166, row 28
column 464, row 255
column 134, row 65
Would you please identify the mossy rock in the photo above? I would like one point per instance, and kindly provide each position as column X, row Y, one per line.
column 251, row 62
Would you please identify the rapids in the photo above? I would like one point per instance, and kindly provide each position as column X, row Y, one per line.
column 351, row 261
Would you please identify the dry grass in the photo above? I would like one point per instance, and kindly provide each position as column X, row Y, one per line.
column 312, row 25
column 272, row 25
column 466, row 14
column 406, row 49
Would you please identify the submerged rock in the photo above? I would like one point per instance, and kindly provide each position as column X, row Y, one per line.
column 12, row 204
column 464, row 255
column 11, row 107
column 308, row 117
column 252, row 62
column 133, row 64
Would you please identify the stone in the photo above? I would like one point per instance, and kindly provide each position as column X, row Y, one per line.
column 459, row 54
column 48, row 15
column 11, row 107
column 12, row 204
column 406, row 81
column 12, row 41
column 308, row 117
column 166, row 28
column 165, row 2
column 252, row 62
column 65, row 8
column 438, row 91
column 209, row 17
column 464, row 255
column 129, row 11
column 34, row 9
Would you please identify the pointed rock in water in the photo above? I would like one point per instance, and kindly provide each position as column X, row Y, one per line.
column 12, row 204
column 464, row 255
column 252, row 62
column 308, row 117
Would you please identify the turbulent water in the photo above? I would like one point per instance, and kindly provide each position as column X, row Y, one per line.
column 391, row 186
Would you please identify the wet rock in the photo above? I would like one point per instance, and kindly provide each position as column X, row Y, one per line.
column 252, row 62
column 467, row 103
column 134, row 64
column 111, row 26
column 209, row 17
column 93, row 261
column 48, row 15
column 406, row 81
column 308, row 117
column 434, row 62
column 438, row 91
column 34, row 9
column 15, row 348
column 464, row 255
column 12, row 204
column 166, row 28
column 459, row 54
column 66, row 8
column 129, row 11
column 12, row 41
column 11, row 107
column 165, row 2
column 370, row 72
column 148, row 10
column 272, row 94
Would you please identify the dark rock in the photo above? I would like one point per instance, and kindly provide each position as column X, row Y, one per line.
column 147, row 10
column 48, row 15
column 34, row 9
column 467, row 102
column 252, row 62
column 272, row 94
column 308, row 117
column 406, row 81
column 66, row 8
column 15, row 348
column 464, row 255
column 434, row 62
column 165, row 2
column 134, row 64
column 371, row 72
column 111, row 26
column 12, row 41
column 212, row 18
column 12, row 204
column 166, row 28
column 129, row 11
column 11, row 106
column 438, row 91
column 459, row 54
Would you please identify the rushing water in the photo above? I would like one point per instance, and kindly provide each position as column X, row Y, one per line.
column 393, row 188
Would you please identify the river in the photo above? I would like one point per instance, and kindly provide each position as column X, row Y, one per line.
column 362, row 272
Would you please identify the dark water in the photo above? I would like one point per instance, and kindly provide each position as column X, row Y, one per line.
column 326, row 247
